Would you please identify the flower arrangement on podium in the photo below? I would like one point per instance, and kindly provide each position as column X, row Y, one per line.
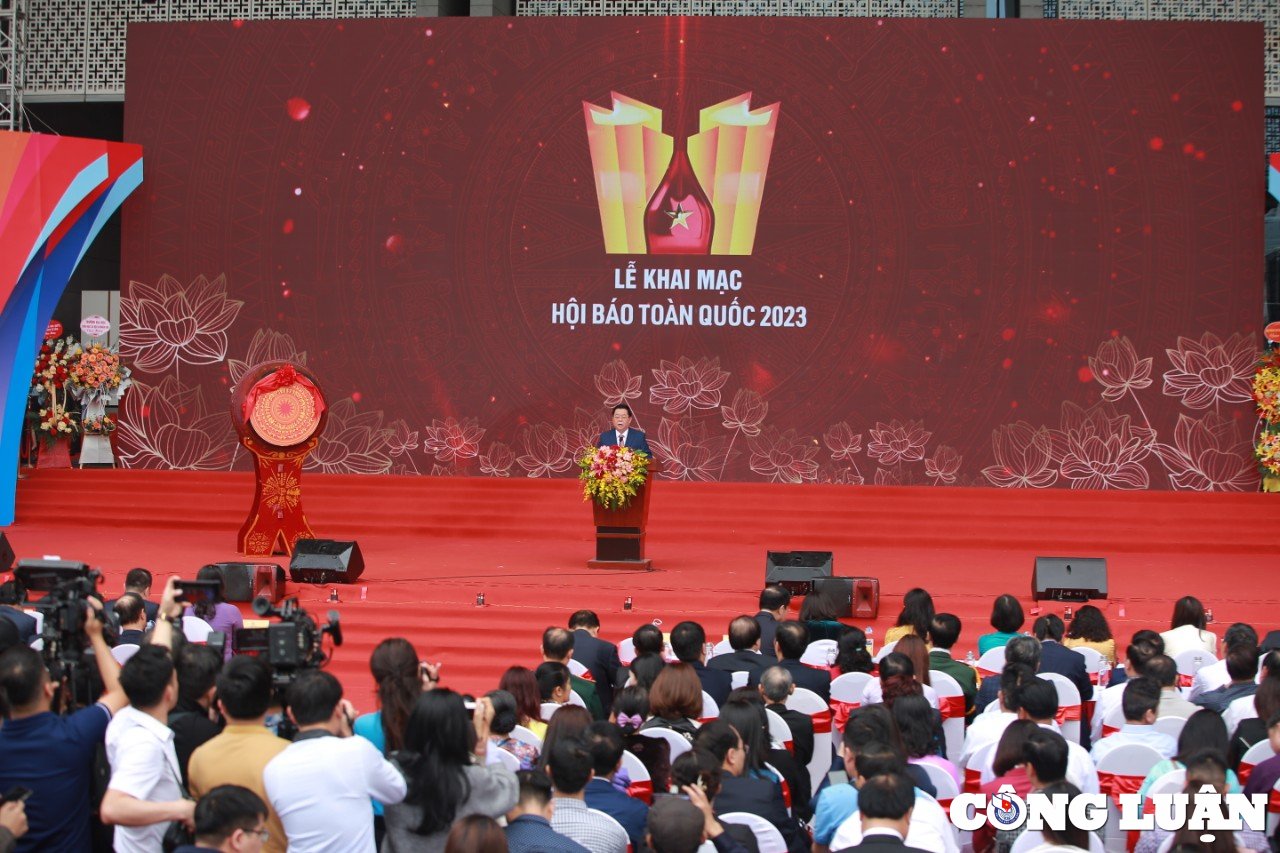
column 97, row 372
column 612, row 475
column 1266, row 394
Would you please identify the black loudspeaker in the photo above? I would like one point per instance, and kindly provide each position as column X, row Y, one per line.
column 1069, row 578
column 796, row 570
column 6, row 554
column 325, row 561
column 843, row 592
column 238, row 579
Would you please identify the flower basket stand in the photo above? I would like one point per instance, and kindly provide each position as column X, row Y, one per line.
column 95, row 448
column 620, row 534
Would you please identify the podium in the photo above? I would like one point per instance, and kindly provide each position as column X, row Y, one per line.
column 620, row 532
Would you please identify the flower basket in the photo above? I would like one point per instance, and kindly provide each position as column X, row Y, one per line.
column 612, row 476
column 1266, row 394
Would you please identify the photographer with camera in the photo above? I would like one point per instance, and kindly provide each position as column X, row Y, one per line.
column 50, row 754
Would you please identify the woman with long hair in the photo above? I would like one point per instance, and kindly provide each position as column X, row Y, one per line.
column 899, row 677
column 1089, row 629
column 820, row 612
column 1007, row 618
column 505, row 718
column 675, row 701
column 523, row 687
column 630, row 710
column 851, row 653
column 645, row 669
column 921, row 729
column 221, row 615
column 445, row 746
column 567, row 721
column 1187, row 629
column 1203, row 732
column 399, row 678
column 914, row 618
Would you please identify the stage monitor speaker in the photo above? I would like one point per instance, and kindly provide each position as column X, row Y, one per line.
column 866, row 598
column 246, row 581
column 325, row 561
column 796, row 570
column 1069, row 578
column 6, row 554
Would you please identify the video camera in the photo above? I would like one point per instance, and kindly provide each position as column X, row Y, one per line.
column 293, row 644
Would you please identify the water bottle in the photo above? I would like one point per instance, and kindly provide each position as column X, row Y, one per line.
column 479, row 599
column 969, row 659
column 831, row 657
column 871, row 641
column 1208, row 614
column 626, row 604
column 1066, row 614
column 708, row 649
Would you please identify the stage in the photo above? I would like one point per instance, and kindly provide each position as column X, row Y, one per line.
column 432, row 543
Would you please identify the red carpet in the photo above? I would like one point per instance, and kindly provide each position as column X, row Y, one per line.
column 431, row 544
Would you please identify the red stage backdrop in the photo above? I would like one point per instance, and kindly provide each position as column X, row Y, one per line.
column 1021, row 254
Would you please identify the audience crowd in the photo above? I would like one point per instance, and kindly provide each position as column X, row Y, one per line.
column 673, row 745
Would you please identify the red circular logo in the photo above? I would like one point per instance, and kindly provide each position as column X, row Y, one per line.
column 53, row 330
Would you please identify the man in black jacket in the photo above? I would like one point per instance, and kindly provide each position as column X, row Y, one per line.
column 740, row 792
column 775, row 686
column 600, row 657
column 791, row 641
column 688, row 641
column 1057, row 658
column 774, row 600
column 744, row 637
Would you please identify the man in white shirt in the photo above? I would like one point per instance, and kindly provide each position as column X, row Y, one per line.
column 1140, row 699
column 320, row 786
column 1136, row 657
column 1038, row 701
column 1214, row 675
column 885, row 806
column 145, row 791
column 927, row 825
column 989, row 726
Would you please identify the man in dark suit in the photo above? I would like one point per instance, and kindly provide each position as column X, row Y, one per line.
column 689, row 641
column 138, row 581
column 1055, row 657
column 600, row 657
column 944, row 631
column 622, row 434
column 133, row 619
column 774, row 601
column 775, row 686
column 740, row 792
column 884, row 805
column 791, row 640
column 744, row 637
column 1021, row 649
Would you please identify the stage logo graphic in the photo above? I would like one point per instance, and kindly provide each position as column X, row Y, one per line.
column 664, row 196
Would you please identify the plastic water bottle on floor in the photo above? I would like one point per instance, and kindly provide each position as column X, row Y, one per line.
column 871, row 640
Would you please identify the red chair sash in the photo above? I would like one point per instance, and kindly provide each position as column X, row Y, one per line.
column 786, row 793
column 1108, row 731
column 823, row 667
column 1115, row 784
column 1243, row 772
column 972, row 780
column 1067, row 712
column 840, row 712
column 821, row 722
column 951, row 706
column 1273, row 802
column 642, row 790
column 587, row 676
column 946, row 805
column 1184, row 680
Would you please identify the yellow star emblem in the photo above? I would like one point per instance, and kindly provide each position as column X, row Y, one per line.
column 680, row 217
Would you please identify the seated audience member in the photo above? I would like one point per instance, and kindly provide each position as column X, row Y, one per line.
column 1060, row 660
column 774, row 601
column 820, row 612
column 133, row 619
column 684, row 826
column 570, row 721
column 1213, row 675
column 138, row 582
column 902, row 673
column 676, row 701
column 944, row 633
column 1203, row 732
column 242, row 751
column 630, row 710
column 604, row 742
column 648, row 640
column 1139, row 700
column 745, row 712
column 1038, row 702
column 321, row 784
column 570, row 767
column 1020, row 650
column 553, row 680
column 1267, row 773
column 445, row 784
column 790, row 640
column 775, row 687
column 922, row 735
column 1089, row 630
column 11, row 600
column 689, row 642
column 928, row 827
column 1139, row 652
column 529, row 822
column 1204, row 768
column 13, row 824
column 476, row 833
column 1165, row 671
column 987, row 728
column 504, row 722
column 522, row 684
column 1141, row 637
column 230, row 819
column 885, row 804
column 871, row 724
column 557, row 647
column 1008, row 765
column 53, row 754
column 1250, row 730
column 1027, row 758
column 742, row 792
column 1246, row 707
column 914, row 618
column 145, row 791
column 744, row 638
column 851, row 653
column 644, row 670
column 193, row 718
column 1242, row 668
column 1007, row 619
column 221, row 615
column 699, row 769
column 600, row 657
column 1187, row 630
